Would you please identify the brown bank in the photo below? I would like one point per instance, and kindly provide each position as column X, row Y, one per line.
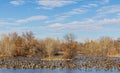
column 83, row 62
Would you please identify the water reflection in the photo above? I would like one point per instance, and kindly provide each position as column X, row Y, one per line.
column 56, row 71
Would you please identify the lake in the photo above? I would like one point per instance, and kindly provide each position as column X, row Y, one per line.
column 56, row 71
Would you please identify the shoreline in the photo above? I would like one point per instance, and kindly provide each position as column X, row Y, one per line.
column 85, row 62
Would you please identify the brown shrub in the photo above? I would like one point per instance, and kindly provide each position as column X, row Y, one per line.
column 52, row 46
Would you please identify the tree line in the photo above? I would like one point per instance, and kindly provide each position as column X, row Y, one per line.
column 26, row 45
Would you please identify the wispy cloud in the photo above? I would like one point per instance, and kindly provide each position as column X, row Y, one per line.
column 17, row 2
column 32, row 18
column 14, row 22
column 65, row 15
column 109, row 9
column 50, row 4
column 105, row 1
column 9, row 29
column 118, row 14
column 84, row 25
column 75, row 11
column 72, row 26
column 6, row 23
column 102, row 2
column 90, row 5
column 96, row 3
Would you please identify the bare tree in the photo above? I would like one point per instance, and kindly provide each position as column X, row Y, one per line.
column 69, row 38
column 70, row 46
column 28, row 35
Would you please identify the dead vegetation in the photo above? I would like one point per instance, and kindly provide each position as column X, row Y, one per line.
column 26, row 45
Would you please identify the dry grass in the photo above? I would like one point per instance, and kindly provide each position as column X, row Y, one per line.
column 54, row 58
column 116, row 55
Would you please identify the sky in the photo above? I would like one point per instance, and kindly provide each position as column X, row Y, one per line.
column 87, row 19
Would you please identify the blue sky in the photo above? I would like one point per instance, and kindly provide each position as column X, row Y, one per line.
column 55, row 18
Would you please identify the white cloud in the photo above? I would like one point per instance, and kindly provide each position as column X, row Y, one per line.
column 57, row 19
column 90, row 5
column 57, row 26
column 65, row 15
column 11, row 21
column 106, row 1
column 103, row 2
column 9, row 29
column 76, row 11
column 50, row 4
column 6, row 23
column 109, row 9
column 113, row 21
column 84, row 25
column 118, row 14
column 17, row 2
column 32, row 18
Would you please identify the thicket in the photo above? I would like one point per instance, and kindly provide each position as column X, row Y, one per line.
column 26, row 45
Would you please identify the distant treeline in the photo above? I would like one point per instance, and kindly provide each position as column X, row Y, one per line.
column 26, row 45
